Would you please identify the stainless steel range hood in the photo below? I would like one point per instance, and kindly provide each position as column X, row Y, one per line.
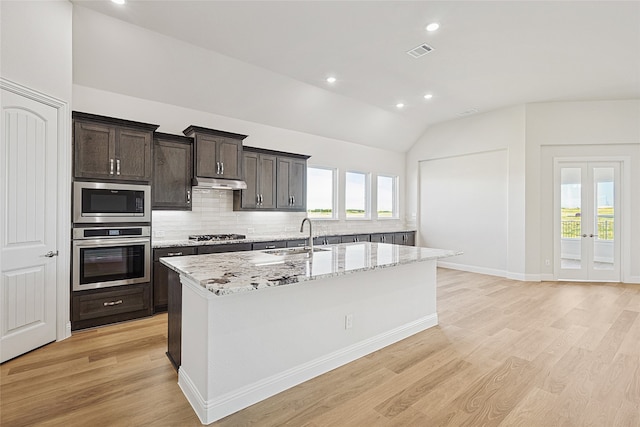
column 219, row 184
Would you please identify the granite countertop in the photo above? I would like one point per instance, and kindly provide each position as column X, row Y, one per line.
column 233, row 272
column 261, row 238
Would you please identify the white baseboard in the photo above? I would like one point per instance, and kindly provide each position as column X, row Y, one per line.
column 547, row 277
column 633, row 280
column 492, row 271
column 228, row 403
column 472, row 268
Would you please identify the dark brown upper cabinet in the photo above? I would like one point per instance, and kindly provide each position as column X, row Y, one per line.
column 111, row 149
column 292, row 184
column 275, row 180
column 260, row 176
column 172, row 172
column 218, row 154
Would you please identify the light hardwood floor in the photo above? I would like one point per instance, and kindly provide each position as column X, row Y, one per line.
column 506, row 353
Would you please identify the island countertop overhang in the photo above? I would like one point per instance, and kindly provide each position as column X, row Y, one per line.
column 235, row 272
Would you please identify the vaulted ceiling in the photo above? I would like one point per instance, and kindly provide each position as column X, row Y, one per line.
column 486, row 55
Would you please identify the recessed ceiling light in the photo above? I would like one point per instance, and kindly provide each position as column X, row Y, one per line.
column 331, row 79
column 428, row 96
column 433, row 26
column 119, row 1
column 399, row 105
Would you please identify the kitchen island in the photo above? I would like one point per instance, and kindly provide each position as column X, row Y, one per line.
column 256, row 323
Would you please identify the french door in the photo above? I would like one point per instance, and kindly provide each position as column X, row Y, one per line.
column 587, row 213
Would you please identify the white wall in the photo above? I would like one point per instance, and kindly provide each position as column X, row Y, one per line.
column 533, row 135
column 35, row 39
column 501, row 130
column 464, row 205
column 595, row 130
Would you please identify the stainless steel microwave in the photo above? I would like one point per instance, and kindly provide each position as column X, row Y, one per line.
column 104, row 202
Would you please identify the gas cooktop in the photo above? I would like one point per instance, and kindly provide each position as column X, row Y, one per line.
column 205, row 237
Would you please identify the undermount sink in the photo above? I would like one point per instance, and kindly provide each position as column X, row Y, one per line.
column 294, row 251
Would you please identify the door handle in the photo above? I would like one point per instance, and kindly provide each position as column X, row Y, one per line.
column 118, row 167
column 51, row 254
column 584, row 235
column 110, row 166
column 217, row 168
column 188, row 196
column 222, row 168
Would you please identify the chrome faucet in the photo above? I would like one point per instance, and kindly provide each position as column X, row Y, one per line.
column 310, row 233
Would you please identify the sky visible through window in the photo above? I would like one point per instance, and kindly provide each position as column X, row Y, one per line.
column 386, row 190
column 356, row 194
column 320, row 196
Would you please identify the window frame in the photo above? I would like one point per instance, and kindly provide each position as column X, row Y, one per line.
column 367, row 196
column 334, row 189
column 395, row 212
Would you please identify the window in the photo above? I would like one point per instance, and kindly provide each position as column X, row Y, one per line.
column 387, row 196
column 321, row 194
column 356, row 194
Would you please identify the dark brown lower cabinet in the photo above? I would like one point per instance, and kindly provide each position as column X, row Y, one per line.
column 407, row 238
column 174, row 331
column 110, row 305
column 161, row 274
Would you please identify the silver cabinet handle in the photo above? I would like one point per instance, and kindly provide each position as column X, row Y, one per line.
column 261, row 199
column 584, row 235
column 217, row 168
column 107, row 304
column 110, row 166
column 188, row 196
column 174, row 254
column 118, row 167
column 222, row 168
column 270, row 247
column 50, row 254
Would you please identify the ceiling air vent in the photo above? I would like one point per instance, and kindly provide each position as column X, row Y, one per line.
column 421, row 50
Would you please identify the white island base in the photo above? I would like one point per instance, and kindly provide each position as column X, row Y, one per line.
column 241, row 348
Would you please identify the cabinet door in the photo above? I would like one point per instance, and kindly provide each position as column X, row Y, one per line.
column 230, row 158
column 206, row 156
column 94, row 147
column 133, row 155
column 172, row 163
column 267, row 181
column 405, row 238
column 298, row 184
column 292, row 184
column 161, row 274
column 250, row 196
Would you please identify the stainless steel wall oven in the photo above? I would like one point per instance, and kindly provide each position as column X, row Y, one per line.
column 110, row 256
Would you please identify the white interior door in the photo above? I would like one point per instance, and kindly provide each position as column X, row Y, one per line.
column 588, row 221
column 28, row 214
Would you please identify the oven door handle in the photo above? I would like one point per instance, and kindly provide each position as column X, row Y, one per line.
column 111, row 242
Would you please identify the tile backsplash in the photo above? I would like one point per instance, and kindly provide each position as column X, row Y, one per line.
column 212, row 213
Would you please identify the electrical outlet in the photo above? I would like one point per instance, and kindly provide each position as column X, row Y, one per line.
column 547, row 262
column 348, row 321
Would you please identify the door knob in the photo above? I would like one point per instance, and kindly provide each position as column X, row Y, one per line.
column 51, row 254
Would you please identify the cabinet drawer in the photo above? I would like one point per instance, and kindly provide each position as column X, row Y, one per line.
column 356, row 238
column 225, row 247
column 258, row 246
column 297, row 243
column 174, row 251
column 109, row 303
